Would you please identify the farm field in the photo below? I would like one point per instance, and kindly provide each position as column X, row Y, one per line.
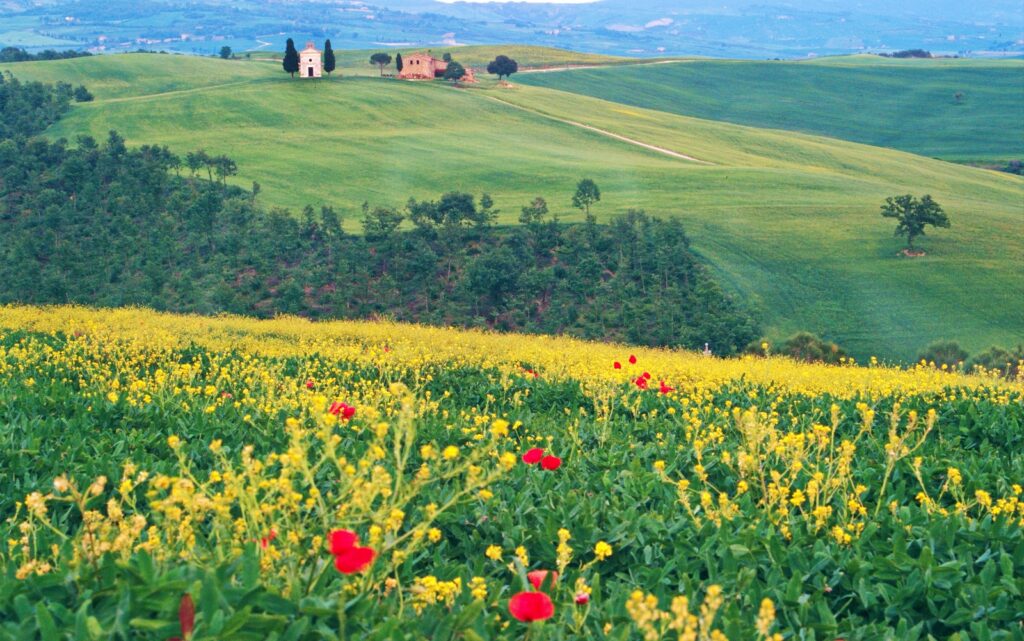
column 149, row 456
column 789, row 221
column 904, row 104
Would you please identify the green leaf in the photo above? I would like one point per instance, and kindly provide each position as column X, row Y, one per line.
column 47, row 626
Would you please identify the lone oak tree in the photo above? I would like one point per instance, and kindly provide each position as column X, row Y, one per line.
column 502, row 66
column 913, row 215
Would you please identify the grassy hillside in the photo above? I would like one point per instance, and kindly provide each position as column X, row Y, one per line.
column 789, row 220
column 903, row 104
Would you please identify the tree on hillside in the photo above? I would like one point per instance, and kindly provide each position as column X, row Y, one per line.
column 447, row 57
column 381, row 60
column 913, row 215
column 502, row 66
column 587, row 193
column 225, row 52
column 455, row 72
column 291, row 58
column 330, row 64
column 399, row 64
column 534, row 213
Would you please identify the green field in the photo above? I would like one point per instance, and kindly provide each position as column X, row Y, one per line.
column 903, row 104
column 789, row 221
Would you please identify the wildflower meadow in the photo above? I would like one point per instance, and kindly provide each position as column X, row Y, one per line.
column 177, row 477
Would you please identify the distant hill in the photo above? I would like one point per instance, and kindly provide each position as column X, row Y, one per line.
column 733, row 29
column 950, row 109
column 789, row 221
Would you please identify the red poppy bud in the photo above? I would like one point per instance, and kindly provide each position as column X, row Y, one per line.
column 551, row 462
column 310, row 384
column 187, row 616
column 533, row 456
column 632, row 359
column 531, row 606
column 537, row 578
column 582, row 598
column 342, row 541
column 355, row 559
column 647, row 375
column 617, row 365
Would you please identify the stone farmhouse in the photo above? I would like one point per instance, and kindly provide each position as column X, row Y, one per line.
column 423, row 66
column 310, row 62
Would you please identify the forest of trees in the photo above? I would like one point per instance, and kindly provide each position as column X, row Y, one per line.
column 103, row 224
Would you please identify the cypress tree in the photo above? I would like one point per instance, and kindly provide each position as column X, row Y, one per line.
column 329, row 62
column 291, row 58
column 398, row 63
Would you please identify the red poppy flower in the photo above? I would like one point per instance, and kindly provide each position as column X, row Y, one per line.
column 617, row 365
column 354, row 560
column 531, row 606
column 343, row 410
column 533, row 456
column 343, row 540
column 537, row 578
column 310, row 384
column 665, row 389
column 267, row 540
column 632, row 359
column 640, row 382
column 551, row 462
column 647, row 375
column 582, row 598
column 349, row 557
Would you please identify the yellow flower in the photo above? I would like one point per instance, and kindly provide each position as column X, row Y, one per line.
column 508, row 460
column 173, row 442
column 493, row 552
column 602, row 550
column 659, row 466
column 450, row 453
column 499, row 428
column 434, row 535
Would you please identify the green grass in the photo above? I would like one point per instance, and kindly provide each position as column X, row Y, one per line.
column 789, row 221
column 903, row 104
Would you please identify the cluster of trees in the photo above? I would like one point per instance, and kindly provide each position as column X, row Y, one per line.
column 107, row 225
column 949, row 355
column 27, row 108
column 15, row 54
column 908, row 53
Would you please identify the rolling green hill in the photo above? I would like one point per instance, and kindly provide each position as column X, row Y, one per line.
column 903, row 104
column 790, row 221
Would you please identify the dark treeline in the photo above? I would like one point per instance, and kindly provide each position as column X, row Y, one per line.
column 14, row 54
column 104, row 224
